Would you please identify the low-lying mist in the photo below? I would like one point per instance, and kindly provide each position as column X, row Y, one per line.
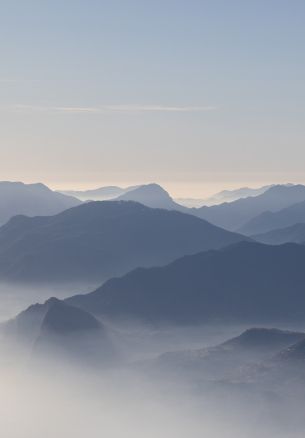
column 36, row 403
column 64, row 398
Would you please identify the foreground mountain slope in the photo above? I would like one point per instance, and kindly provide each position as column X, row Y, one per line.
column 246, row 282
column 234, row 215
column 98, row 240
column 31, row 200
column 269, row 221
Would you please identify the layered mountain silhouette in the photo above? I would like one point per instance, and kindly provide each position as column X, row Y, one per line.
column 294, row 234
column 234, row 195
column 234, row 215
column 57, row 330
column 63, row 319
column 70, row 333
column 32, row 200
column 25, row 327
column 97, row 240
column 246, row 282
column 151, row 195
column 54, row 315
column 154, row 196
column 99, row 194
column 145, row 191
column 269, row 221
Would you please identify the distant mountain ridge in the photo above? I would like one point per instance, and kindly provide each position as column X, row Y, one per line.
column 32, row 200
column 245, row 282
column 234, row 195
column 293, row 234
column 234, row 215
column 269, row 221
column 153, row 196
column 100, row 194
column 113, row 192
column 98, row 240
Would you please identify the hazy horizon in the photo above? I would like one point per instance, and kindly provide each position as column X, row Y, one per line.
column 197, row 96
column 176, row 189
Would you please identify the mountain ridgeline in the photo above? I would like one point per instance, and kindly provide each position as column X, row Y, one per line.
column 98, row 240
column 294, row 234
column 100, row 194
column 270, row 221
column 245, row 283
column 235, row 215
column 56, row 330
column 254, row 212
column 32, row 200
column 154, row 196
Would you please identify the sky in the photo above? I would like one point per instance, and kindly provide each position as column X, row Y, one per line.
column 197, row 95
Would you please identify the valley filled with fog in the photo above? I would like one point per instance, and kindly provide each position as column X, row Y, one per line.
column 135, row 396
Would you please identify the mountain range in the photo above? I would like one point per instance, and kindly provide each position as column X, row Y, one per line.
column 32, row 200
column 98, row 240
column 234, row 195
column 270, row 221
column 245, row 283
column 254, row 211
column 235, row 215
column 113, row 192
column 154, row 196
column 100, row 194
column 294, row 234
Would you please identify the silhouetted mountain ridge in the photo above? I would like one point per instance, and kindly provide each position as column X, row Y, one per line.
column 294, row 234
column 270, row 221
column 245, row 282
column 154, row 196
column 97, row 240
column 32, row 200
column 100, row 194
column 234, row 215
column 61, row 318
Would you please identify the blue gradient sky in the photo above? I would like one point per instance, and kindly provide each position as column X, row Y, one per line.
column 196, row 95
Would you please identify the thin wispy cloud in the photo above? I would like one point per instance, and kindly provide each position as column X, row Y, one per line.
column 110, row 109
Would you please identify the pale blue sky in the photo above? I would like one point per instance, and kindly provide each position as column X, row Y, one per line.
column 195, row 95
